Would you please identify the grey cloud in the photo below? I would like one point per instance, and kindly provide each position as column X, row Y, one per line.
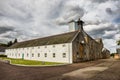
column 56, row 10
column 99, row 1
column 4, row 40
column 101, row 32
column 9, row 36
column 96, row 33
column 4, row 29
column 13, row 10
column 109, row 11
column 111, row 36
column 72, row 13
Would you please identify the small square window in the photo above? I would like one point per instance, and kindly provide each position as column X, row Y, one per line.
column 38, row 54
column 27, row 54
column 45, row 54
column 64, row 55
column 53, row 45
column 53, row 55
column 63, row 45
column 32, row 55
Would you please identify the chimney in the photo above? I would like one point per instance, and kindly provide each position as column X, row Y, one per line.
column 80, row 24
column 76, row 25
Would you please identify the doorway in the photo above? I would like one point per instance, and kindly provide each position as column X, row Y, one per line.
column 22, row 56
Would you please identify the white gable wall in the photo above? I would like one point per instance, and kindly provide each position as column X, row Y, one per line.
column 58, row 49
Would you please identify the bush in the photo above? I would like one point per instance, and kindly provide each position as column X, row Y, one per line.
column 3, row 55
column 112, row 54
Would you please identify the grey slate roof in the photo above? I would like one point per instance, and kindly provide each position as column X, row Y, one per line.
column 55, row 39
column 2, row 49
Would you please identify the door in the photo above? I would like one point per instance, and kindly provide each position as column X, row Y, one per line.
column 81, row 51
column 22, row 56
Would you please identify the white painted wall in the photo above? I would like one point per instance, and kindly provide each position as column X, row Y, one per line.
column 58, row 49
column 73, row 26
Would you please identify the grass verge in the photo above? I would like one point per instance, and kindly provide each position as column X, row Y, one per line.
column 29, row 62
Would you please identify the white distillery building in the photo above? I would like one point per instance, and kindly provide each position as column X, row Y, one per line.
column 65, row 48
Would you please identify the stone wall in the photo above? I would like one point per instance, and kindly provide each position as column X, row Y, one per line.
column 105, row 53
column 85, row 48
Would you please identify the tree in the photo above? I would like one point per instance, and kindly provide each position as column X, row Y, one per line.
column 118, row 42
column 15, row 41
column 9, row 43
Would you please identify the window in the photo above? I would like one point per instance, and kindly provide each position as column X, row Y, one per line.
column 32, row 55
column 19, row 54
column 27, row 54
column 45, row 54
column 38, row 47
column 53, row 45
column 53, row 55
column 64, row 55
column 78, row 55
column 63, row 45
column 45, row 46
column 38, row 54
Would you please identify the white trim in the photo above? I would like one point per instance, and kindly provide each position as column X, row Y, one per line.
column 75, row 36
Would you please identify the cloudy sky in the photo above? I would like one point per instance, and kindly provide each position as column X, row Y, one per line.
column 28, row 19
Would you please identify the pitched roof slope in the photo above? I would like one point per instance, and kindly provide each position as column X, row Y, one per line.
column 55, row 39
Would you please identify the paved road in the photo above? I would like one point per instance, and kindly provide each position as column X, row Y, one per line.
column 11, row 72
column 108, row 70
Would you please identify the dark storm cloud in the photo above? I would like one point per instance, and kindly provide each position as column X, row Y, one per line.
column 99, row 1
column 102, row 32
column 56, row 10
column 4, row 29
column 109, row 11
column 117, row 20
column 3, row 40
column 111, row 36
column 72, row 13
column 9, row 36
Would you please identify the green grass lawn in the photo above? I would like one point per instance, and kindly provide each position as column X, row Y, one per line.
column 29, row 62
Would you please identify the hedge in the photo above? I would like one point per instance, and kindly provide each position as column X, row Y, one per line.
column 1, row 55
